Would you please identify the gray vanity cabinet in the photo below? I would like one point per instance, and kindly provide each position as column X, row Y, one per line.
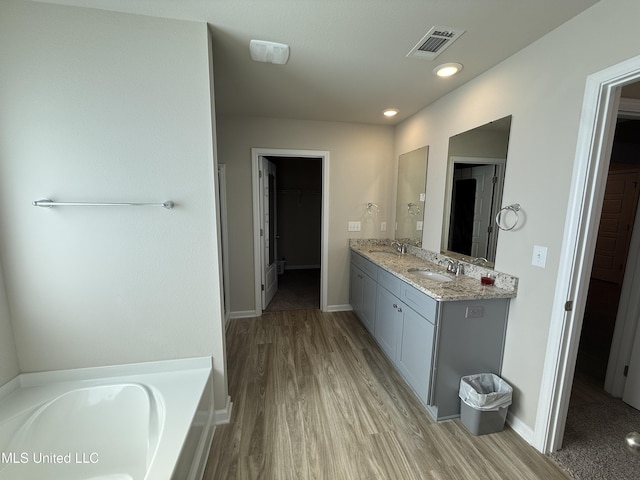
column 470, row 340
column 415, row 350
column 405, row 327
column 388, row 319
column 431, row 343
column 362, row 290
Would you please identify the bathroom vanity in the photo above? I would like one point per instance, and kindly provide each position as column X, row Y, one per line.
column 433, row 326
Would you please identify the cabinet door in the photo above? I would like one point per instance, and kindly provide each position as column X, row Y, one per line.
column 356, row 285
column 415, row 351
column 387, row 322
column 368, row 305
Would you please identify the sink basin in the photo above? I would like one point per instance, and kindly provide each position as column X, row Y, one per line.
column 430, row 274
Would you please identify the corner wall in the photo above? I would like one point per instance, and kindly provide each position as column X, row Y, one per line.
column 107, row 107
column 545, row 98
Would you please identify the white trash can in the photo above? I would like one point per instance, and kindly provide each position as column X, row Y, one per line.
column 484, row 401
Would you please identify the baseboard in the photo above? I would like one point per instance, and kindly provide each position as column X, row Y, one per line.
column 520, row 428
column 243, row 314
column 339, row 308
column 251, row 313
column 223, row 416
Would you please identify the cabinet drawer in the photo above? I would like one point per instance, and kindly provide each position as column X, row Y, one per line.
column 365, row 265
column 390, row 282
column 419, row 301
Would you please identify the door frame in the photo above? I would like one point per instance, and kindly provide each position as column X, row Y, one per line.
column 593, row 151
column 258, row 251
column 224, row 227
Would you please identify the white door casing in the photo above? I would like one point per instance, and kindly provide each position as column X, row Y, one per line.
column 256, row 153
column 591, row 164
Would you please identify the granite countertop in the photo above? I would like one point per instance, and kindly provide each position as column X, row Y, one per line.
column 462, row 287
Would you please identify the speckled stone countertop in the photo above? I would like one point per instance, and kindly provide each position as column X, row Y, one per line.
column 462, row 287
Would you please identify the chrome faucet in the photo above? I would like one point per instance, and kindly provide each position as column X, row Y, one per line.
column 400, row 247
column 453, row 266
column 480, row 261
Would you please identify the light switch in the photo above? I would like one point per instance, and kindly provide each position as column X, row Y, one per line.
column 539, row 258
column 354, row 226
column 383, row 226
column 419, row 225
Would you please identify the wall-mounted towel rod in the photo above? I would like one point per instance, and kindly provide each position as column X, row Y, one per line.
column 50, row 203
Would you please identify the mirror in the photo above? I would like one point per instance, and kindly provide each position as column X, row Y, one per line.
column 475, row 179
column 412, row 183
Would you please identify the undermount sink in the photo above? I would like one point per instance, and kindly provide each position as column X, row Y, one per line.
column 430, row 274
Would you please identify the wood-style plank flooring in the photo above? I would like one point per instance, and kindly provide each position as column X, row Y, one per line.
column 315, row 398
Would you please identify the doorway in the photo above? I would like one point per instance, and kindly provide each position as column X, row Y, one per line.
column 595, row 140
column 298, row 198
column 610, row 259
column 288, row 159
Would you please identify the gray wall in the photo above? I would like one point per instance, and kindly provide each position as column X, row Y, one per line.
column 361, row 170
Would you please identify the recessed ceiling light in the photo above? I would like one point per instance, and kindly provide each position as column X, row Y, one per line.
column 390, row 112
column 447, row 69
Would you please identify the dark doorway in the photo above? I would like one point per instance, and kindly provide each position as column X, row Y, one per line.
column 299, row 233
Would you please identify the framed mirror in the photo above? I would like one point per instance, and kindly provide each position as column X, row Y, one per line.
column 475, row 180
column 410, row 197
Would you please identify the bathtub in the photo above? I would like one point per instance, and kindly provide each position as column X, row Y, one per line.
column 151, row 421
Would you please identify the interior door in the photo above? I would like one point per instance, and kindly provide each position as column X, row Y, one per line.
column 616, row 225
column 482, row 221
column 268, row 231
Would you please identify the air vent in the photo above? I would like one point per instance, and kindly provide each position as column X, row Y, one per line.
column 435, row 42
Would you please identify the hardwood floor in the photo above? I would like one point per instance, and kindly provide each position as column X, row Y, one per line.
column 315, row 398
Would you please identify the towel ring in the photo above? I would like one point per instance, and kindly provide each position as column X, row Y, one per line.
column 515, row 208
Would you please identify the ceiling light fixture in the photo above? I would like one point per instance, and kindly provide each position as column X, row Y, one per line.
column 269, row 52
column 447, row 69
column 390, row 112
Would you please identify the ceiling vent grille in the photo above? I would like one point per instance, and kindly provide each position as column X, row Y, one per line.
column 435, row 42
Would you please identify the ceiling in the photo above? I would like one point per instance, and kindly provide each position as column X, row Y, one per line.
column 348, row 57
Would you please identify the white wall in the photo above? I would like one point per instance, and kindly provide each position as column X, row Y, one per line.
column 362, row 170
column 542, row 87
column 99, row 106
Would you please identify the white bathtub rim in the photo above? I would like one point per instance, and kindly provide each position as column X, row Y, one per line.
column 87, row 373
column 163, row 374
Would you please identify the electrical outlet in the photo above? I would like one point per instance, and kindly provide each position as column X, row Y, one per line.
column 383, row 226
column 354, row 226
column 419, row 225
column 539, row 257
column 474, row 312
